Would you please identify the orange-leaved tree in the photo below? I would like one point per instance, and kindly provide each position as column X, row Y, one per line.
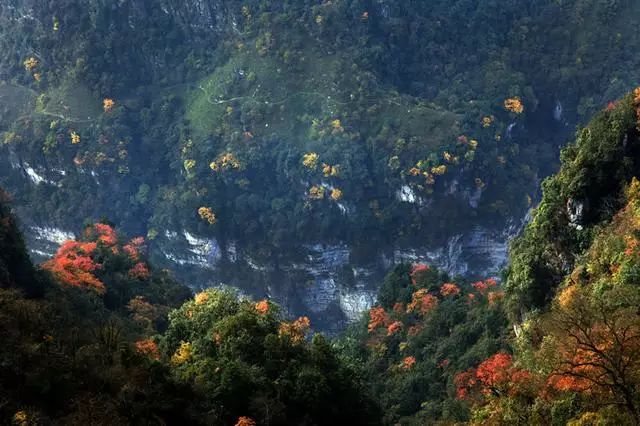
column 73, row 265
column 593, row 344
column 495, row 376
column 81, row 263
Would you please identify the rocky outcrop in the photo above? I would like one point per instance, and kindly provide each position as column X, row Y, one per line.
column 43, row 241
column 321, row 280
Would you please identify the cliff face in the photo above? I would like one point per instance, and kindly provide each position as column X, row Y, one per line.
column 325, row 280
column 320, row 280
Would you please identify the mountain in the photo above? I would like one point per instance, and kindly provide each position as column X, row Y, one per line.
column 297, row 150
column 584, row 195
column 572, row 289
column 108, row 340
column 559, row 343
column 96, row 335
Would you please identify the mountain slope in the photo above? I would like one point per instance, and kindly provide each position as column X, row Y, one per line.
column 305, row 128
column 576, row 361
column 563, row 345
column 423, row 331
column 586, row 192
column 109, row 341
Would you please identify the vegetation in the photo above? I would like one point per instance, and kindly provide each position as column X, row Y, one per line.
column 586, row 192
column 243, row 359
column 98, row 337
column 561, row 347
column 276, row 124
column 577, row 362
column 424, row 330
column 137, row 105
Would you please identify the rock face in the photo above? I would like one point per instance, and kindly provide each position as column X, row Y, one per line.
column 575, row 211
column 322, row 281
column 481, row 252
column 44, row 241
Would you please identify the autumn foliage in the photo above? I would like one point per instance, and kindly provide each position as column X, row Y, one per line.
column 226, row 161
column 636, row 103
column 134, row 247
column 73, row 265
column 139, row 271
column 296, row 331
column 417, row 270
column 148, row 348
column 103, row 233
column 245, row 421
column 30, row 63
column 594, row 345
column 422, row 302
column 394, row 328
column 449, row 289
column 408, row 362
column 415, row 335
column 495, row 376
column 483, row 286
column 78, row 263
column 584, row 347
column 514, row 105
column 75, row 138
column 310, row 160
column 495, row 296
column 262, row 307
column 201, row 298
column 336, row 194
column 108, row 105
column 142, row 312
column 377, row 318
column 207, row 214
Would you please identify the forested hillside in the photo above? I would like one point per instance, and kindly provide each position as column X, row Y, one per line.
column 245, row 138
column 98, row 337
column 153, row 151
column 559, row 343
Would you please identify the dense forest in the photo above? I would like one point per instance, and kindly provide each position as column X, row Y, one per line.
column 268, row 127
column 300, row 151
column 558, row 343
column 95, row 335
column 227, row 121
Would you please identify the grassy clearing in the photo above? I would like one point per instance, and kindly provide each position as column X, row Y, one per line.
column 70, row 101
column 269, row 98
column 15, row 101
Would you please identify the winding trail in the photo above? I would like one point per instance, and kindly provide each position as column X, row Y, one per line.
column 254, row 98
